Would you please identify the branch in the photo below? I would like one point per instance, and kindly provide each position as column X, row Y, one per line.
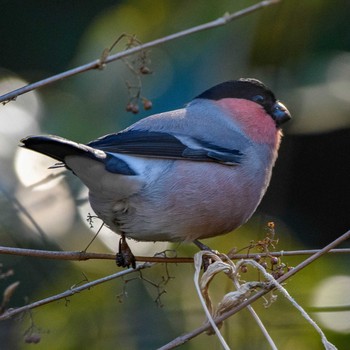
column 99, row 63
column 71, row 291
column 85, row 256
column 82, row 255
column 186, row 337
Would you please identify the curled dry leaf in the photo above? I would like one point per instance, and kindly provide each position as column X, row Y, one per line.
column 232, row 299
column 229, row 300
column 213, row 269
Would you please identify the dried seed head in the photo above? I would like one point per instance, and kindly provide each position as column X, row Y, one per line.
column 147, row 104
column 257, row 257
column 145, row 70
column 135, row 109
column 129, row 107
column 274, row 260
column 264, row 264
column 277, row 274
column 33, row 338
column 244, row 269
column 9, row 292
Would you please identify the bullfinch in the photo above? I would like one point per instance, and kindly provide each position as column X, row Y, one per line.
column 182, row 175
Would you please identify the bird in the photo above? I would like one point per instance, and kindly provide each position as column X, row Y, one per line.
column 182, row 175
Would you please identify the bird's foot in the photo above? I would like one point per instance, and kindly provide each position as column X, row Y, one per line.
column 125, row 257
column 206, row 259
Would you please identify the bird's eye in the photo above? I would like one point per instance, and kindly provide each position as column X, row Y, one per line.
column 258, row 99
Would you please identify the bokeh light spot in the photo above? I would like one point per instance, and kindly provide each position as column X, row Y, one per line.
column 32, row 170
column 332, row 292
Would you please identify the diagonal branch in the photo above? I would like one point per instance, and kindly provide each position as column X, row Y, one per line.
column 186, row 337
column 179, row 340
column 98, row 64
column 71, row 291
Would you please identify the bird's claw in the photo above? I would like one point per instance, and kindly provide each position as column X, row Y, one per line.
column 125, row 257
column 206, row 260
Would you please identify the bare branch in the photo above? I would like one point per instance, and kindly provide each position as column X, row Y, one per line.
column 177, row 341
column 56, row 255
column 98, row 64
column 71, row 291
column 82, row 255
column 186, row 337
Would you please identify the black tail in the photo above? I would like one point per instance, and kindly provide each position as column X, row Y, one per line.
column 56, row 147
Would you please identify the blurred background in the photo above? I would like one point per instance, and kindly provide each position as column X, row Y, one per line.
column 301, row 50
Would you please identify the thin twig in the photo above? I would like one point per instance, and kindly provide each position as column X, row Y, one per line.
column 188, row 336
column 337, row 308
column 82, row 255
column 55, row 255
column 13, row 312
column 97, row 63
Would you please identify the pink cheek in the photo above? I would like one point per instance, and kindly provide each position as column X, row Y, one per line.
column 252, row 119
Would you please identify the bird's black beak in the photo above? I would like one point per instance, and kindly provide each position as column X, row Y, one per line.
column 280, row 113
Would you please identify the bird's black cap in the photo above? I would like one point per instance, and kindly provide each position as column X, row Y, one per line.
column 248, row 89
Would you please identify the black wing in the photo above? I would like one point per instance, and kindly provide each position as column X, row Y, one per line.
column 164, row 145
